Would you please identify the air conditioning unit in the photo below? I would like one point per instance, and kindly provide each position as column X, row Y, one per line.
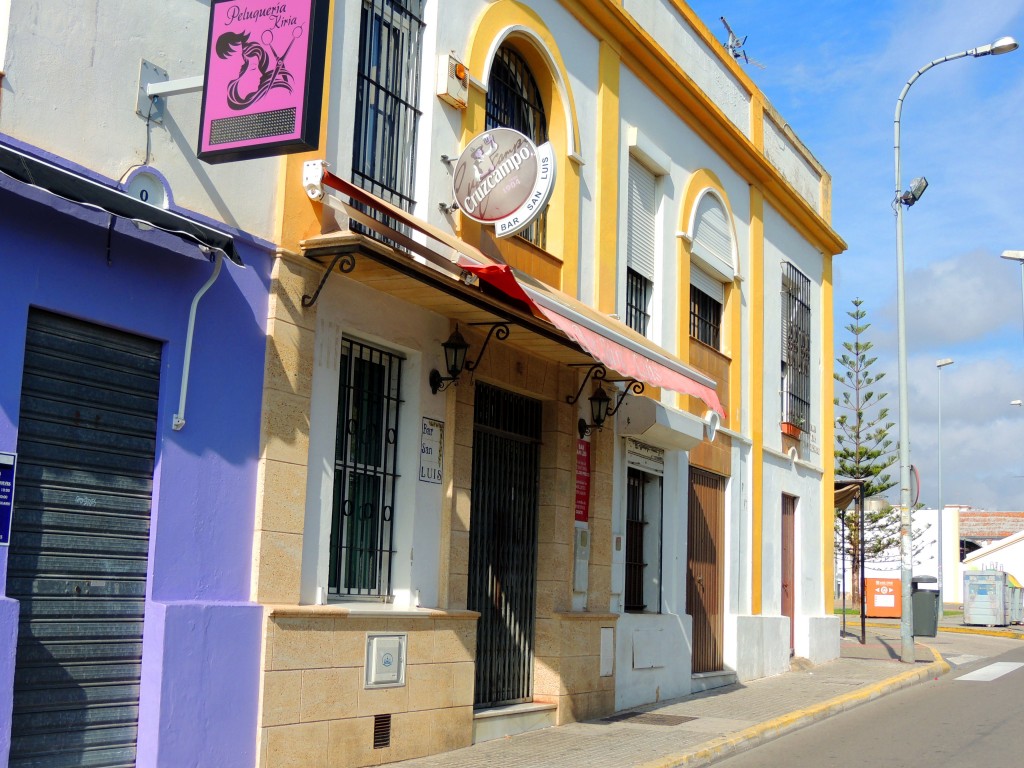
column 452, row 81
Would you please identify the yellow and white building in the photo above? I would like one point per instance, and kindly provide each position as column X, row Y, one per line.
column 442, row 567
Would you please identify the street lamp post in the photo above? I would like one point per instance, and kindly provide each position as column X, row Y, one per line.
column 940, row 364
column 1002, row 45
column 1017, row 256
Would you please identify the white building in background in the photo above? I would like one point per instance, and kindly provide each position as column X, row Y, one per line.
column 983, row 538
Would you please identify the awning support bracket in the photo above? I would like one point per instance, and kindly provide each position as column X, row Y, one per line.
column 345, row 262
column 598, row 371
column 632, row 385
column 500, row 331
column 179, row 418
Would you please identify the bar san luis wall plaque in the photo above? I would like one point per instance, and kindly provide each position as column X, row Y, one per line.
column 264, row 78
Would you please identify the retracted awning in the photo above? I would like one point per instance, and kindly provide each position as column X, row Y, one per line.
column 77, row 188
column 845, row 493
column 609, row 341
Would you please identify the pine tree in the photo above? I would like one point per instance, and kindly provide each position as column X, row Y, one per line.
column 863, row 449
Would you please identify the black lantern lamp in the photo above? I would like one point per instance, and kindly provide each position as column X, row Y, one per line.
column 598, row 412
column 455, row 355
column 454, row 359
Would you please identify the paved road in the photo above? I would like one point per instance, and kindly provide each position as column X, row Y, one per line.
column 970, row 717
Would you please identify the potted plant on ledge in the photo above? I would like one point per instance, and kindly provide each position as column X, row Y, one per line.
column 792, row 428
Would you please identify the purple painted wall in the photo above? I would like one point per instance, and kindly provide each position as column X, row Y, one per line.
column 202, row 638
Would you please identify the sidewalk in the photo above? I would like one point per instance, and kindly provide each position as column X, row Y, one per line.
column 699, row 729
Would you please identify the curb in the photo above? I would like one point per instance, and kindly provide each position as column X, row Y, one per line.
column 758, row 734
column 965, row 630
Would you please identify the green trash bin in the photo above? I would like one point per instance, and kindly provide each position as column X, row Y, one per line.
column 926, row 606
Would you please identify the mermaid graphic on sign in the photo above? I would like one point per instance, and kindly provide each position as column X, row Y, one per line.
column 257, row 76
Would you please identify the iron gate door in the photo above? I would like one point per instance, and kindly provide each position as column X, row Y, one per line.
column 503, row 543
column 704, row 594
column 80, row 540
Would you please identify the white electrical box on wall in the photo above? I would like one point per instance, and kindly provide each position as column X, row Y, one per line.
column 385, row 660
column 618, row 563
column 581, row 560
column 452, row 81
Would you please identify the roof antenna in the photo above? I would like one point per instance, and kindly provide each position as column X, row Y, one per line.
column 734, row 45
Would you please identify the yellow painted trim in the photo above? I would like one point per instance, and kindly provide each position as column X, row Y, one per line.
column 734, row 311
column 827, row 432
column 701, row 181
column 606, row 176
column 757, row 105
column 684, row 263
column 508, row 20
column 610, row 22
column 757, row 320
column 297, row 217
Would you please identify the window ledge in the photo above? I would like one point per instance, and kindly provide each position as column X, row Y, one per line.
column 342, row 610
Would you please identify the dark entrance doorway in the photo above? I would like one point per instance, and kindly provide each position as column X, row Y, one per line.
column 704, row 594
column 503, row 543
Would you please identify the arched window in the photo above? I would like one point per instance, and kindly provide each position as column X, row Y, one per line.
column 513, row 101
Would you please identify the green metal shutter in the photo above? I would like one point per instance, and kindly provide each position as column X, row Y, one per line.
column 80, row 541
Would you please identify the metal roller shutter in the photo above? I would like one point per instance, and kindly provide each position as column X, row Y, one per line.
column 642, row 221
column 80, row 541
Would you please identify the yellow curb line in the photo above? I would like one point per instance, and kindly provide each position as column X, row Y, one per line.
column 963, row 630
column 770, row 729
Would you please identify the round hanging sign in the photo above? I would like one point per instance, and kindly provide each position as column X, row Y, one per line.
column 503, row 178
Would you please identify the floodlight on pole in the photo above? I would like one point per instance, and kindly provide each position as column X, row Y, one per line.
column 907, row 655
column 1017, row 256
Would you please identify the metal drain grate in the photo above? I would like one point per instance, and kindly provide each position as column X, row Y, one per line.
column 381, row 731
column 648, row 718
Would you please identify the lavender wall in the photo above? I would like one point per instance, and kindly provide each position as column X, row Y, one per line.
column 199, row 627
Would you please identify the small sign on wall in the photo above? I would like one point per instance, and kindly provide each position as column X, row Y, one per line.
column 8, row 464
column 431, row 450
column 264, row 78
column 582, row 481
column 645, row 457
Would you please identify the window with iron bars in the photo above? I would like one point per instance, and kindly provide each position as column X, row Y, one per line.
column 513, row 101
column 365, row 473
column 388, row 81
column 636, row 522
column 796, row 347
column 638, row 299
column 705, row 318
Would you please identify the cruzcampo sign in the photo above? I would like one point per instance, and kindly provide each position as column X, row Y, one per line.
column 503, row 179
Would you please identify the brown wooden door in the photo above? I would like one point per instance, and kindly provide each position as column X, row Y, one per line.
column 704, row 593
column 788, row 569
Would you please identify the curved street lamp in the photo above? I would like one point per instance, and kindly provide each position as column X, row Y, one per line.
column 1002, row 45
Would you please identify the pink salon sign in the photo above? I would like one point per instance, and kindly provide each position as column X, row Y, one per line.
column 264, row 78
column 503, row 179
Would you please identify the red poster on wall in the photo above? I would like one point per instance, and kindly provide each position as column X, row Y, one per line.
column 582, row 481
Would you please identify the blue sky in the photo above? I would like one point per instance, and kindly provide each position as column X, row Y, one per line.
column 834, row 70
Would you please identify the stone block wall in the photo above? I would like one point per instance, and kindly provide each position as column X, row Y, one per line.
column 316, row 710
